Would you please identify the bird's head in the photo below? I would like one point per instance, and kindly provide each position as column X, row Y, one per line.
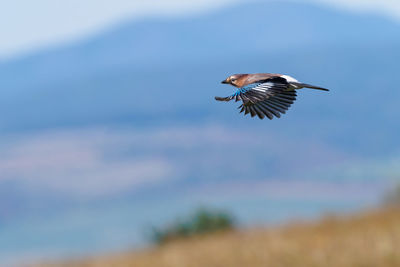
column 235, row 80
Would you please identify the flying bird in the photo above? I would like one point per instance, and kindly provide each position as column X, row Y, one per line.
column 264, row 94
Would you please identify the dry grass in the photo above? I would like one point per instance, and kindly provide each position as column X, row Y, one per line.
column 371, row 239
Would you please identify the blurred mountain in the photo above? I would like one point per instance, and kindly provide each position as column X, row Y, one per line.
column 163, row 70
column 159, row 76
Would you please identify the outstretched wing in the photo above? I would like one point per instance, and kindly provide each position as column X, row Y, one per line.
column 267, row 100
column 264, row 99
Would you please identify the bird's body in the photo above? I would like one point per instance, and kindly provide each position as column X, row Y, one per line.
column 265, row 94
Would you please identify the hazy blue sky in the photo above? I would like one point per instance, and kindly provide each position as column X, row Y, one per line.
column 26, row 25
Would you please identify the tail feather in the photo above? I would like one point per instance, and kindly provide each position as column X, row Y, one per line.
column 311, row 86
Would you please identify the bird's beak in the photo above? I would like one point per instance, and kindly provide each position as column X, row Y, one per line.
column 225, row 82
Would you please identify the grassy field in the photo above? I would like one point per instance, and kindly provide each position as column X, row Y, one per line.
column 369, row 239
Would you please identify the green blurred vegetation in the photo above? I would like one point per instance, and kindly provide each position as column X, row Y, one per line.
column 202, row 221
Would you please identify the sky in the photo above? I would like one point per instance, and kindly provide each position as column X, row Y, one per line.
column 27, row 25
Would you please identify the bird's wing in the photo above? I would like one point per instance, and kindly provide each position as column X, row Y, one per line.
column 264, row 99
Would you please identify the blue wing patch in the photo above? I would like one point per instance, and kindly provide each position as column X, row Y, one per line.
column 245, row 89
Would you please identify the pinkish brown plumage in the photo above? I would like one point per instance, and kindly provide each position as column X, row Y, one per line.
column 265, row 94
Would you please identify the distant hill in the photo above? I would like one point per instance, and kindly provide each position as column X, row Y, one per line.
column 168, row 70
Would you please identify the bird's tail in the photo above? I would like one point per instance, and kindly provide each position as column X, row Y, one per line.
column 311, row 86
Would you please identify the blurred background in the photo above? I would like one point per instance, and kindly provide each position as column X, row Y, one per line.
column 109, row 126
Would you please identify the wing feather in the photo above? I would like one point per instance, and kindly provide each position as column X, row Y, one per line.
column 252, row 111
column 271, row 109
column 267, row 112
column 259, row 112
